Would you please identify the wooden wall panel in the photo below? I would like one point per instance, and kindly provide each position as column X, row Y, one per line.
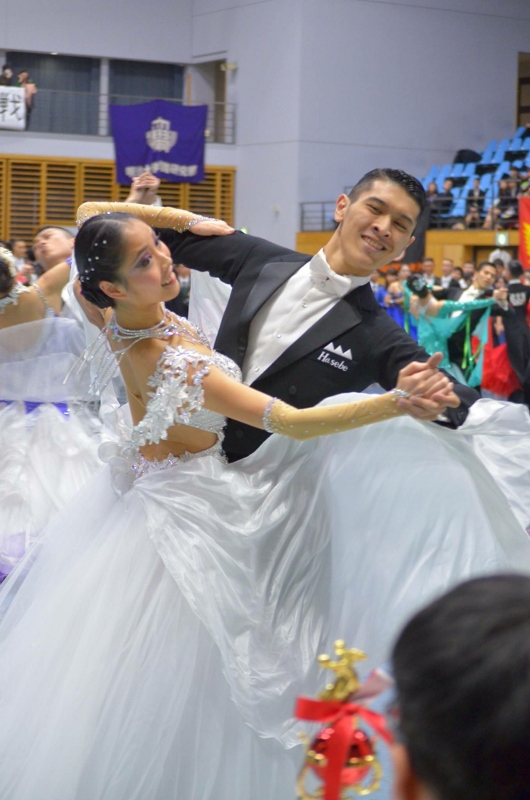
column 24, row 198
column 36, row 191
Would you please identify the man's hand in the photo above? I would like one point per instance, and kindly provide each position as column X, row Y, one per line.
column 501, row 297
column 431, row 391
column 144, row 189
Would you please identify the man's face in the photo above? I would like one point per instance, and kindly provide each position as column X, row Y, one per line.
column 51, row 246
column 20, row 249
column 428, row 268
column 469, row 271
column 373, row 230
column 8, row 73
column 448, row 185
column 476, row 183
column 484, row 278
column 447, row 266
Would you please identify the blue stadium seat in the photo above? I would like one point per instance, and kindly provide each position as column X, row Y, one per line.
column 459, row 207
column 516, row 143
column 469, row 170
column 485, row 181
column 504, row 167
column 457, row 170
column 521, row 130
column 432, row 173
column 488, row 152
column 498, row 156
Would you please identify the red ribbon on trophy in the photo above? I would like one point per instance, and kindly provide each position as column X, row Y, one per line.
column 341, row 756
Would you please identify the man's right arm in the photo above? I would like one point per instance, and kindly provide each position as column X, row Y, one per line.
column 222, row 256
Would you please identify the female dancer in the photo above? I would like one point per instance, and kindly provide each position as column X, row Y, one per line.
column 154, row 647
column 48, row 449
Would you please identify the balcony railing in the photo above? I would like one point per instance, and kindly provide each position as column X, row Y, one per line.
column 63, row 111
column 498, row 210
column 317, row 216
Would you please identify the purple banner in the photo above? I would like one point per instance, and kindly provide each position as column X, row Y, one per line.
column 159, row 137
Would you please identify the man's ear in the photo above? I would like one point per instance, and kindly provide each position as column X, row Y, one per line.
column 341, row 206
column 407, row 786
column 113, row 290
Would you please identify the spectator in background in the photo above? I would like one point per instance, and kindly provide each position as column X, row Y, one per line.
column 427, row 268
column 394, row 297
column 468, row 270
column 6, row 78
column 458, row 276
column 445, row 202
column 26, row 272
column 448, row 285
column 30, row 89
column 432, row 204
column 517, row 330
column 377, row 288
column 473, row 218
column 475, row 197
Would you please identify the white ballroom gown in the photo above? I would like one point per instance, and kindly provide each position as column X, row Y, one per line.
column 154, row 641
column 48, row 443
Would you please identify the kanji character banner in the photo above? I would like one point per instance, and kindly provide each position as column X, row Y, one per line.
column 159, row 137
column 12, row 108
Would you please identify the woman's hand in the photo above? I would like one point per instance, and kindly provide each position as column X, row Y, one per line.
column 211, row 227
column 431, row 391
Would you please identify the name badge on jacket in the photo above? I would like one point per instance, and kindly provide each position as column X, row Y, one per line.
column 326, row 356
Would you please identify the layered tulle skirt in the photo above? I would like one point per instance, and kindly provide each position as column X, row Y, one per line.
column 153, row 643
column 48, row 451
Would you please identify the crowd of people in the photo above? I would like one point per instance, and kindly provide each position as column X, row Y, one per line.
column 185, row 525
column 496, row 209
column 478, row 315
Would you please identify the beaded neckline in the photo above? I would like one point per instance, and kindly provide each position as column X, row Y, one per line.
column 106, row 361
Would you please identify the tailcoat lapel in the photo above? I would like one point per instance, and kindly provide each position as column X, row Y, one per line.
column 339, row 319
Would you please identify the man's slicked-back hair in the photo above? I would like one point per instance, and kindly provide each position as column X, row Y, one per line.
column 462, row 672
column 408, row 183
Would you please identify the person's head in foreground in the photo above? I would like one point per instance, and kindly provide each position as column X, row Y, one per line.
column 462, row 672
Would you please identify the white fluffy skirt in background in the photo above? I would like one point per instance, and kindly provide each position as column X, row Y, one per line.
column 153, row 644
column 46, row 456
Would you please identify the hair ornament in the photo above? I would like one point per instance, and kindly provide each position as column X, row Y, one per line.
column 341, row 759
column 9, row 259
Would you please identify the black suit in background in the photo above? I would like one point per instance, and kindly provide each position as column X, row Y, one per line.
column 306, row 372
column 517, row 335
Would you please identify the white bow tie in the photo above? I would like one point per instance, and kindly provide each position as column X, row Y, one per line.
column 329, row 282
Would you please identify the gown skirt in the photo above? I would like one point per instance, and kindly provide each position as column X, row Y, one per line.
column 154, row 640
column 48, row 441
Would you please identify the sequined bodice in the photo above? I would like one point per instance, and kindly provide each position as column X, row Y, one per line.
column 176, row 399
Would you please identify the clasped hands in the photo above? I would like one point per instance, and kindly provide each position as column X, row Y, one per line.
column 431, row 392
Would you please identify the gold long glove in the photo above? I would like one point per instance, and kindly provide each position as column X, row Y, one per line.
column 174, row 218
column 307, row 423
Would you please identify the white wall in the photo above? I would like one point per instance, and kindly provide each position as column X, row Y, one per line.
column 159, row 30
column 325, row 89
column 404, row 83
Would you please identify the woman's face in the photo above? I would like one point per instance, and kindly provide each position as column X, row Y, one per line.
column 146, row 276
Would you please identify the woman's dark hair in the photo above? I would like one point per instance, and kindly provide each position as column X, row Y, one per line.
column 7, row 280
column 462, row 671
column 98, row 251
